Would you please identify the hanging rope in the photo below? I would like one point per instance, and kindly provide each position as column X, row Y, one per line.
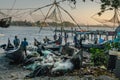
column 9, row 12
column 46, row 17
column 3, row 14
column 56, row 5
column 98, row 20
column 60, row 16
column 114, row 19
column 70, row 16
column 13, row 4
column 53, row 16
column 46, row 6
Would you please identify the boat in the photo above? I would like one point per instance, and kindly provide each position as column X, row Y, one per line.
column 49, row 45
column 7, row 46
column 5, row 22
column 16, row 56
column 88, row 46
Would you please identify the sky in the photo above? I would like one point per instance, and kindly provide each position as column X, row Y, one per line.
column 81, row 13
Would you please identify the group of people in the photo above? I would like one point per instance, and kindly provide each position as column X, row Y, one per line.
column 17, row 43
column 78, row 42
column 59, row 40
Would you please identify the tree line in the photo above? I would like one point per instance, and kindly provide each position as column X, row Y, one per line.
column 44, row 24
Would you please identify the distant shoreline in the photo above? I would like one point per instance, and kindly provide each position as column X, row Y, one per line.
column 95, row 26
column 54, row 24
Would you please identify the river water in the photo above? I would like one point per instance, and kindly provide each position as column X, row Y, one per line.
column 33, row 32
column 29, row 32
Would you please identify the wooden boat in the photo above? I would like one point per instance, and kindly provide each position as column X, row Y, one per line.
column 17, row 56
column 7, row 46
column 50, row 45
column 92, row 45
column 5, row 22
column 88, row 46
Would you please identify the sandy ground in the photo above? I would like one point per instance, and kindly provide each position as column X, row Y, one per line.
column 16, row 72
column 10, row 72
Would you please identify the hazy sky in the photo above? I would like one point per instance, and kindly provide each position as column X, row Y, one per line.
column 82, row 13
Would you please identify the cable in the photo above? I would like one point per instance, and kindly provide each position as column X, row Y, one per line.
column 12, row 7
column 70, row 16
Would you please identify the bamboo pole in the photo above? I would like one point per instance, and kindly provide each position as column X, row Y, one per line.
column 69, row 16
column 46, row 16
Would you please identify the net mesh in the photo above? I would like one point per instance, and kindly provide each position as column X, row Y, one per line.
column 112, row 22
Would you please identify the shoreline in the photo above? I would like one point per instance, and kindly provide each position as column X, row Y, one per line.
column 16, row 72
column 13, row 72
column 82, row 26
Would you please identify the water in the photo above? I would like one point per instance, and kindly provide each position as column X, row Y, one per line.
column 33, row 32
column 29, row 32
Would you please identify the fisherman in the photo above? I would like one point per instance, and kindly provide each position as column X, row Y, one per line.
column 75, row 40
column 9, row 45
column 55, row 37
column 65, row 37
column 24, row 45
column 16, row 42
column 80, row 41
column 46, row 39
column 95, row 39
column 72, row 30
column 36, row 43
column 60, row 39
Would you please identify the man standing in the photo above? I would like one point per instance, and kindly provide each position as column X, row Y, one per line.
column 75, row 40
column 16, row 42
column 24, row 45
column 65, row 37
column 55, row 37
column 60, row 39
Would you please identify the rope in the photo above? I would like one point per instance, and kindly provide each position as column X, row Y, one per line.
column 114, row 19
column 3, row 14
column 12, row 7
column 46, row 17
column 60, row 15
column 46, row 6
column 70, row 16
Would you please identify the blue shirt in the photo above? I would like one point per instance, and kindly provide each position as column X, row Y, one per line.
column 101, row 40
column 16, row 42
column 24, row 44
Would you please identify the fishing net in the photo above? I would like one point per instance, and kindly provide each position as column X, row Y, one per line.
column 110, row 22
